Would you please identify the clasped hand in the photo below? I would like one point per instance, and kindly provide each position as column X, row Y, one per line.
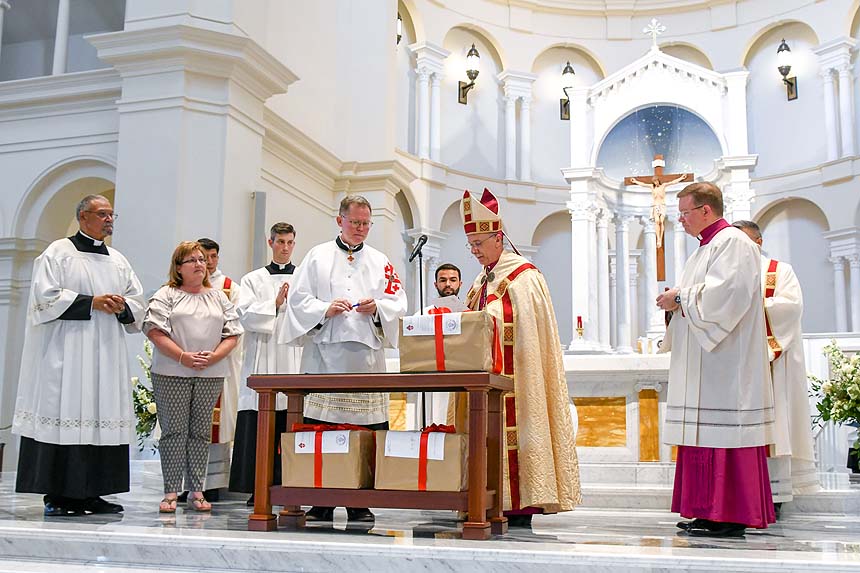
column 198, row 360
column 109, row 303
column 341, row 305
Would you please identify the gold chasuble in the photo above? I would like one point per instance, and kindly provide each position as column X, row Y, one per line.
column 541, row 467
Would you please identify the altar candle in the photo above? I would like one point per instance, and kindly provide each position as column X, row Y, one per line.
column 578, row 322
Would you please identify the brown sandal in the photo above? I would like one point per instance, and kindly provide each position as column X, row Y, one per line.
column 198, row 503
column 167, row 505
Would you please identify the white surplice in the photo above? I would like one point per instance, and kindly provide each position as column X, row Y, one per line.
column 262, row 321
column 792, row 469
column 74, row 387
column 719, row 392
column 348, row 342
column 232, row 381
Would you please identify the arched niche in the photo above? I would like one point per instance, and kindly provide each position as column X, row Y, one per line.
column 685, row 140
column 793, row 232
column 550, row 133
column 472, row 134
column 688, row 53
column 778, row 129
column 553, row 258
column 47, row 211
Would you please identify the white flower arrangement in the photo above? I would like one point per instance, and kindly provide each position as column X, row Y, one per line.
column 839, row 396
column 144, row 402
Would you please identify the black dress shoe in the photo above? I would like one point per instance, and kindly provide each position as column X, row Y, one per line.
column 360, row 514
column 719, row 529
column 183, row 497
column 694, row 524
column 52, row 509
column 519, row 521
column 98, row 505
column 212, row 494
column 250, row 502
column 319, row 514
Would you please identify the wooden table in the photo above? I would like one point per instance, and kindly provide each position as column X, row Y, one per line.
column 482, row 500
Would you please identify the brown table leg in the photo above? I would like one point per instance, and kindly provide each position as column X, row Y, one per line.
column 495, row 463
column 262, row 519
column 477, row 526
column 292, row 516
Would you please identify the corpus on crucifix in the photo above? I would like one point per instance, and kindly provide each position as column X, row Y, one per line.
column 657, row 184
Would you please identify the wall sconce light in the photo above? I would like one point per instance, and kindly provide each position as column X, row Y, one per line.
column 783, row 60
column 567, row 76
column 473, row 58
column 399, row 28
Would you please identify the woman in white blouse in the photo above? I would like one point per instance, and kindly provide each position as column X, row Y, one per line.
column 193, row 328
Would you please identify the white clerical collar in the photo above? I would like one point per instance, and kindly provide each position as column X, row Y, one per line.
column 281, row 266
column 96, row 242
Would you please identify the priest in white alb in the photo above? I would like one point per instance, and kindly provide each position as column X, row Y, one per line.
column 345, row 303
column 262, row 310
column 719, row 408
column 792, row 461
column 74, row 409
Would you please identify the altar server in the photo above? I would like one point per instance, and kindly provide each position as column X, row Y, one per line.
column 74, row 411
column 262, row 310
column 541, row 466
column 719, row 408
column 792, row 462
column 345, row 304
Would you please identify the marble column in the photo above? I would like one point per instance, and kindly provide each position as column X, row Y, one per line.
column 580, row 215
column 831, row 130
column 435, row 117
column 525, row 139
column 635, row 331
column 3, row 7
column 654, row 326
column 423, row 113
column 622, row 253
column 839, row 302
column 679, row 237
column 846, row 109
column 61, row 39
column 510, row 137
column 613, row 304
column 603, row 294
column 593, row 333
column 854, row 286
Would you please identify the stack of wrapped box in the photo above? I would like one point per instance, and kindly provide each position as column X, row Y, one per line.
column 432, row 460
column 335, row 456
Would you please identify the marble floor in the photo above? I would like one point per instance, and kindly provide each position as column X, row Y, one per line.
column 588, row 539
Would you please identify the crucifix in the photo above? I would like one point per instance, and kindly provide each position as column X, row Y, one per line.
column 657, row 184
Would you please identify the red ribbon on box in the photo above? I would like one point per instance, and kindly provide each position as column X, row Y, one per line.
column 422, row 451
column 318, row 430
column 439, row 338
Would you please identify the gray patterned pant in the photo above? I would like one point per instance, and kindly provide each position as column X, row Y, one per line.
column 184, row 407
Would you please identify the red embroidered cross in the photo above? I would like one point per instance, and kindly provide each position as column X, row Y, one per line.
column 393, row 280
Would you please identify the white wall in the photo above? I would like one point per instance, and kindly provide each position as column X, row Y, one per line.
column 772, row 120
column 792, row 233
column 553, row 258
column 472, row 134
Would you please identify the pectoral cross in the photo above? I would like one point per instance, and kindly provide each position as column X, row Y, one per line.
column 657, row 183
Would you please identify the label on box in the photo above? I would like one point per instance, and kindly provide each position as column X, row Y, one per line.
column 425, row 324
column 333, row 442
column 408, row 444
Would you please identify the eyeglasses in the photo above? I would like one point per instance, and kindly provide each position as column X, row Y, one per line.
column 360, row 224
column 197, row 260
column 104, row 214
column 686, row 213
column 472, row 245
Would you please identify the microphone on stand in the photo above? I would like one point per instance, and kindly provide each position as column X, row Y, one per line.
column 418, row 246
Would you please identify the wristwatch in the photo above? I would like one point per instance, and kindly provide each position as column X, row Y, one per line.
column 677, row 299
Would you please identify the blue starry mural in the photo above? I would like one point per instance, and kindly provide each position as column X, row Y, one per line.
column 686, row 142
